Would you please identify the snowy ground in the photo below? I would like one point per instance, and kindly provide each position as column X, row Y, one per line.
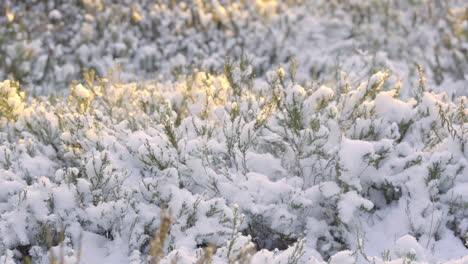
column 271, row 131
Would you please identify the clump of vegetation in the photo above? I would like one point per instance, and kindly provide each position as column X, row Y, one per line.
column 225, row 136
column 11, row 100
column 116, row 155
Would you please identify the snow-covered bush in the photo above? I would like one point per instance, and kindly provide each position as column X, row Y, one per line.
column 232, row 131
column 11, row 100
column 46, row 44
column 264, row 170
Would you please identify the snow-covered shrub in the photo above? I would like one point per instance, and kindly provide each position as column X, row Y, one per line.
column 245, row 165
column 270, row 131
column 46, row 45
column 11, row 100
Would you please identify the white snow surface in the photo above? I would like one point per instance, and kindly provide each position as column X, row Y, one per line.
column 348, row 153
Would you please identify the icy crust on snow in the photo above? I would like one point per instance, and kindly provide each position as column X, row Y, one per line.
column 322, row 173
column 47, row 44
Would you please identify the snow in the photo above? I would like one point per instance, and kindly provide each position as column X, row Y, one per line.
column 349, row 203
column 55, row 15
column 393, row 109
column 81, row 92
column 94, row 250
column 351, row 153
column 352, row 157
column 407, row 245
column 329, row 189
column 64, row 198
column 323, row 93
column 343, row 257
